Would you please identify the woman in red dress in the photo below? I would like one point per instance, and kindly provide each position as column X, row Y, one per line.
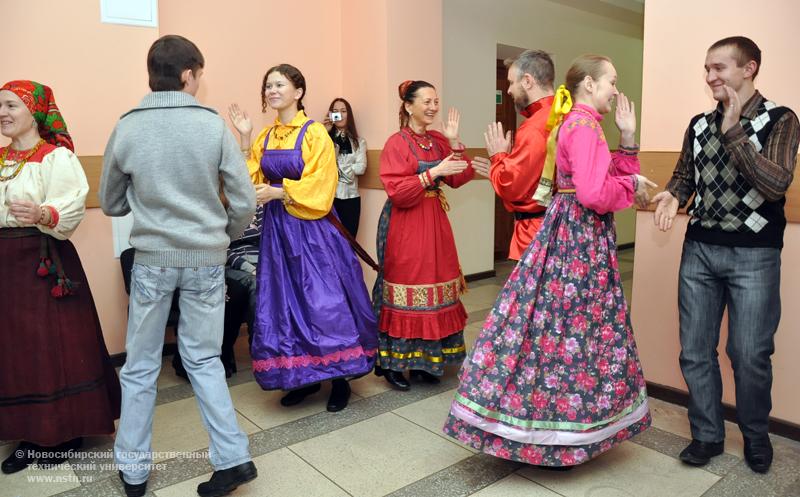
column 417, row 294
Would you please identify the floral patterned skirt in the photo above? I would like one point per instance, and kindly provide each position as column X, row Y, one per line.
column 554, row 378
column 399, row 354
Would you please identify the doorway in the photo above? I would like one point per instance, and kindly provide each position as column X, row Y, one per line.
column 505, row 114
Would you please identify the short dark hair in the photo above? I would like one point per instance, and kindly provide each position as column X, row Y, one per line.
column 168, row 57
column 746, row 50
column 291, row 73
column 538, row 64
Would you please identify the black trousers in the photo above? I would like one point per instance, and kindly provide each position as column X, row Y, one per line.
column 349, row 212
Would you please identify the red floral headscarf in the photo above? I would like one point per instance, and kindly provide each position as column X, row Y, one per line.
column 38, row 98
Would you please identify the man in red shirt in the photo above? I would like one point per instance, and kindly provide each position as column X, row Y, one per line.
column 515, row 171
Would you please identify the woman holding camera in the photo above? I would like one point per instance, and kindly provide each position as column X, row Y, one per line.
column 417, row 294
column 351, row 158
column 313, row 320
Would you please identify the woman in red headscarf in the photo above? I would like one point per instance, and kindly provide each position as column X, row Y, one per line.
column 57, row 383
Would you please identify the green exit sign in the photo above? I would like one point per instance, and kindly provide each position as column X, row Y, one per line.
column 498, row 97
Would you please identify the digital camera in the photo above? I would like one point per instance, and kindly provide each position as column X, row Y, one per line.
column 336, row 116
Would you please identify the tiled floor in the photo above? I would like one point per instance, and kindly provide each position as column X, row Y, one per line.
column 389, row 443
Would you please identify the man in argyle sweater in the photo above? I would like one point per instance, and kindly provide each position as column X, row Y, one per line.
column 738, row 161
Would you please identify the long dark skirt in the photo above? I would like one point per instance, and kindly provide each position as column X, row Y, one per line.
column 56, row 379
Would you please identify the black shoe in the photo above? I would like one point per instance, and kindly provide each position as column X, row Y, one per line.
column 133, row 490
column 700, row 453
column 23, row 456
column 340, row 394
column 53, row 456
column 758, row 454
column 226, row 481
column 418, row 374
column 397, row 380
column 394, row 378
column 297, row 396
column 230, row 366
column 554, row 468
column 177, row 365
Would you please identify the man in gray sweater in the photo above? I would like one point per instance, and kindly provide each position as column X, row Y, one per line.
column 165, row 162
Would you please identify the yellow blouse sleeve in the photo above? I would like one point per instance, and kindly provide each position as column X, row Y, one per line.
column 254, row 161
column 312, row 195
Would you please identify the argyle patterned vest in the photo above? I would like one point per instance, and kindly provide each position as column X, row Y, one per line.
column 724, row 200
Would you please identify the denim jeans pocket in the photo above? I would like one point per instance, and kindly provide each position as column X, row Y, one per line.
column 148, row 283
column 207, row 283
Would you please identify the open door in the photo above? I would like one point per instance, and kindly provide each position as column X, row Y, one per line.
column 506, row 114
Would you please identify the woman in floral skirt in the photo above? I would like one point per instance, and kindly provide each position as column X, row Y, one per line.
column 554, row 378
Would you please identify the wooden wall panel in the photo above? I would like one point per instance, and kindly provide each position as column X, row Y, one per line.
column 657, row 166
column 93, row 167
column 371, row 178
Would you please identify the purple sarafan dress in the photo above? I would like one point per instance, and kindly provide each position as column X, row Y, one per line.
column 313, row 318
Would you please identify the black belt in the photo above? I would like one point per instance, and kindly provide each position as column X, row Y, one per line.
column 19, row 232
column 519, row 216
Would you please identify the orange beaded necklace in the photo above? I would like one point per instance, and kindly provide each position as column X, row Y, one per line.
column 21, row 163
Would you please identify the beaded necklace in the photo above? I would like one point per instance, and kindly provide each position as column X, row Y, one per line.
column 285, row 135
column 426, row 145
column 20, row 164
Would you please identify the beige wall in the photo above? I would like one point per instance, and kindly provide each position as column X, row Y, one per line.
column 97, row 71
column 674, row 91
column 241, row 41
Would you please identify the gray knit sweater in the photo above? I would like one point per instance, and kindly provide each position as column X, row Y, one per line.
column 164, row 162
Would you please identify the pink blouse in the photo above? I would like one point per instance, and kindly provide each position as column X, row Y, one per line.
column 603, row 181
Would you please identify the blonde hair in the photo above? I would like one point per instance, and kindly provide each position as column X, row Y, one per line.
column 585, row 65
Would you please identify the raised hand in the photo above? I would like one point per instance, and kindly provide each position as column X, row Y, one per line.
column 625, row 117
column 495, row 140
column 450, row 126
column 733, row 109
column 666, row 210
column 240, row 120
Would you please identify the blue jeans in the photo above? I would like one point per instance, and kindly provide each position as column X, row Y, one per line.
column 202, row 301
column 747, row 281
